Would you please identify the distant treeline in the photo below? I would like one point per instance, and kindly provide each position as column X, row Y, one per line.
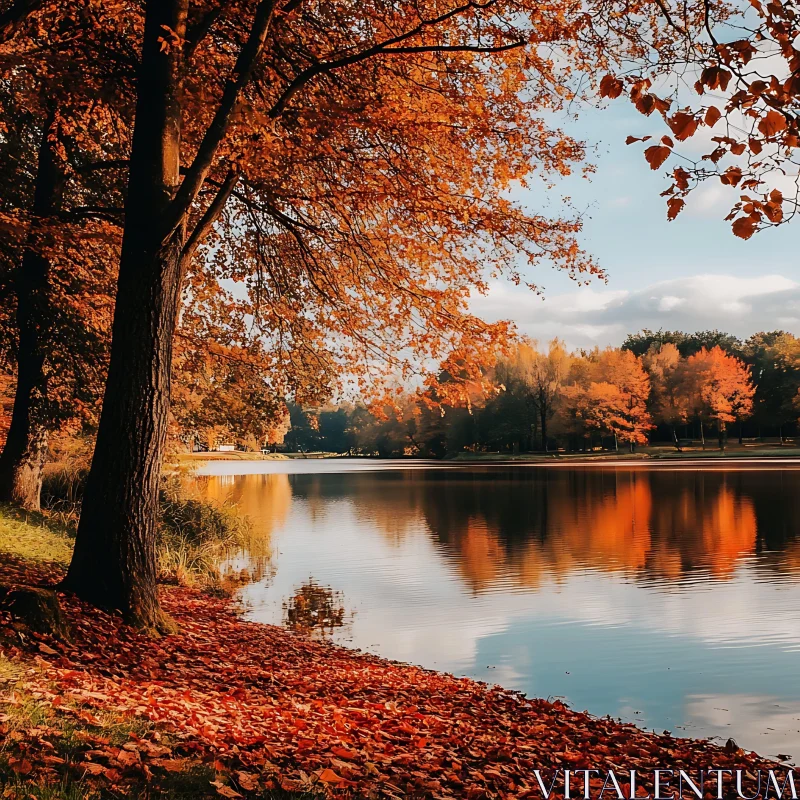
column 659, row 386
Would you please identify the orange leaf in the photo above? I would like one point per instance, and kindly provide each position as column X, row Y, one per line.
column 21, row 766
column 656, row 155
column 683, row 125
column 329, row 776
column 731, row 176
column 744, row 227
column 774, row 122
column 681, row 177
column 247, row 781
column 343, row 752
column 224, row 790
column 674, row 206
column 610, row 87
column 712, row 116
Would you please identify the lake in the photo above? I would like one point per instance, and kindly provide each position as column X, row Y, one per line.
column 664, row 594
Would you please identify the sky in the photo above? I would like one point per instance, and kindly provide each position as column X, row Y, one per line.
column 690, row 274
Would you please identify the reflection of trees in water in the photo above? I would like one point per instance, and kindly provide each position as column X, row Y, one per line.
column 529, row 525
column 314, row 610
column 265, row 500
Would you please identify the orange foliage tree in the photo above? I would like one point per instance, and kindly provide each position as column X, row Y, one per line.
column 613, row 397
column 348, row 165
column 361, row 153
column 668, row 401
column 719, row 387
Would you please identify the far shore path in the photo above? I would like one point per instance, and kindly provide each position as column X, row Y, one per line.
column 753, row 457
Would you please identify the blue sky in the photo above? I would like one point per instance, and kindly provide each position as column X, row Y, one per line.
column 689, row 274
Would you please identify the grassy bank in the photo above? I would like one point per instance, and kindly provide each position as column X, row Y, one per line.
column 33, row 537
column 188, row 459
column 193, row 534
column 242, row 709
column 641, row 454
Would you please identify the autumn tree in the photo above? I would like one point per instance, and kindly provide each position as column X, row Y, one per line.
column 357, row 151
column 609, row 392
column 719, row 388
column 58, row 248
column 668, row 402
column 625, row 372
column 543, row 375
column 350, row 166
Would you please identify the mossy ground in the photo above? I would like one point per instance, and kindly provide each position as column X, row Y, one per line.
column 34, row 537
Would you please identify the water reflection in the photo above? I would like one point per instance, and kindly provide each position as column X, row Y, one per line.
column 663, row 596
column 315, row 610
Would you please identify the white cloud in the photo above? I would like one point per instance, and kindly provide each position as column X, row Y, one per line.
column 669, row 301
column 587, row 316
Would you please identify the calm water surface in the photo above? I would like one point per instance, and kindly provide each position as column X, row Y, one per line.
column 662, row 595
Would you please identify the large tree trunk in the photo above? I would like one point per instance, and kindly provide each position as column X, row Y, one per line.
column 25, row 450
column 114, row 563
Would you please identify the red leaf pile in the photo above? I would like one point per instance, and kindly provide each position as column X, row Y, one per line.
column 268, row 707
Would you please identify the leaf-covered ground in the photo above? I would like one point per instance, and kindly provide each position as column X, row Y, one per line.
column 245, row 709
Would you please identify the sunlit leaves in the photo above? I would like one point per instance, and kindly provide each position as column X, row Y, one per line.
column 656, row 155
column 610, row 86
column 745, row 227
column 772, row 123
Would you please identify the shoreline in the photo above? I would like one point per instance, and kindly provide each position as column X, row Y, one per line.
column 738, row 454
column 256, row 708
column 297, row 714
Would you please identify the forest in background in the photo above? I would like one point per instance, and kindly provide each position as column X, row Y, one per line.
column 664, row 386
column 687, row 389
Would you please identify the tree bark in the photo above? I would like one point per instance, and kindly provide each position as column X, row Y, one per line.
column 25, row 450
column 114, row 563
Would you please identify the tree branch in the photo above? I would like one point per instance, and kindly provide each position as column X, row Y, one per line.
column 211, row 215
column 203, row 160
column 200, row 29
column 389, row 46
column 95, row 166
